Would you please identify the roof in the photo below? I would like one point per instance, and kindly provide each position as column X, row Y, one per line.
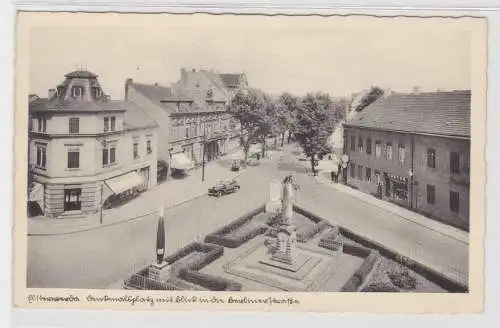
column 46, row 105
column 231, row 80
column 136, row 118
column 81, row 74
column 439, row 113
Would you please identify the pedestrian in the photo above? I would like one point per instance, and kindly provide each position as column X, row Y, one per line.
column 332, row 175
column 258, row 157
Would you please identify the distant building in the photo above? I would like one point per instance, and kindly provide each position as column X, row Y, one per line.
column 80, row 143
column 414, row 150
column 192, row 115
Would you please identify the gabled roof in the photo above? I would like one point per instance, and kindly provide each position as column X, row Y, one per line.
column 136, row 118
column 437, row 113
column 231, row 80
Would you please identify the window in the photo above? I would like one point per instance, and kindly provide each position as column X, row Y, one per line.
column 41, row 156
column 389, row 151
column 193, row 130
column 401, row 153
column 73, row 159
column 187, row 132
column 454, row 201
column 72, row 199
column 360, row 172
column 106, row 124
column 136, row 150
column 377, row 177
column 77, row 92
column 112, row 155
column 148, row 147
column 454, row 162
column 42, row 124
column 96, row 92
column 105, row 159
column 74, row 125
column 352, row 168
column 360, row 145
column 369, row 146
column 353, row 143
column 113, row 123
column 378, row 149
column 431, row 158
column 431, row 194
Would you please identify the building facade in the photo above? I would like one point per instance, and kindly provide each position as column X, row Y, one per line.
column 192, row 116
column 85, row 148
column 414, row 150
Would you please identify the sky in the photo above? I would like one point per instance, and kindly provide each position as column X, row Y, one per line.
column 336, row 55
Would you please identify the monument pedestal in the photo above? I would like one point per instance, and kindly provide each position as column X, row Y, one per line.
column 159, row 272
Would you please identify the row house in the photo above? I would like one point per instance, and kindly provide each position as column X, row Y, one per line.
column 192, row 116
column 414, row 150
column 85, row 148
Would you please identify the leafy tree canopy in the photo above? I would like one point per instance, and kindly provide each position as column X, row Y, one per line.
column 370, row 97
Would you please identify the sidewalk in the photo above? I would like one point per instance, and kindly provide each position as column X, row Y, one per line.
column 170, row 193
column 416, row 218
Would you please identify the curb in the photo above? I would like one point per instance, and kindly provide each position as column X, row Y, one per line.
column 104, row 225
column 399, row 215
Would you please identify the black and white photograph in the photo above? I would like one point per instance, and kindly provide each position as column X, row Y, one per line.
column 285, row 155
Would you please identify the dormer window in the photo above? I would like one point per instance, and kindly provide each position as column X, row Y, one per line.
column 77, row 92
column 96, row 92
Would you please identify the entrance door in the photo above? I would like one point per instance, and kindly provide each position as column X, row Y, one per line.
column 387, row 183
column 72, row 199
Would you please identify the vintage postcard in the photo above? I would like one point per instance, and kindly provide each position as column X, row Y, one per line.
column 250, row 162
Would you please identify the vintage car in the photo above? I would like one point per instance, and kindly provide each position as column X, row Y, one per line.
column 235, row 166
column 223, row 188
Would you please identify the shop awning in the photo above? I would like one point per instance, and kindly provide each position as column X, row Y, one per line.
column 124, row 182
column 36, row 193
column 181, row 162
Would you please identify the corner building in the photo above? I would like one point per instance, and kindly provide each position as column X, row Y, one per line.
column 85, row 148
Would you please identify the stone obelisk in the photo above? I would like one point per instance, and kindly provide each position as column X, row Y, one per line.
column 160, row 270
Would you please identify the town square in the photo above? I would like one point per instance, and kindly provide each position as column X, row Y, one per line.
column 225, row 177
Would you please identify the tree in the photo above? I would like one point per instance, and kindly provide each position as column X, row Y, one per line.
column 286, row 107
column 248, row 108
column 369, row 98
column 315, row 121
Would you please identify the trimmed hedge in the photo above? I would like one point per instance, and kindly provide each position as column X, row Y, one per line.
column 208, row 281
column 307, row 214
column 309, row 232
column 380, row 287
column 226, row 237
column 360, row 275
column 211, row 252
column 356, row 250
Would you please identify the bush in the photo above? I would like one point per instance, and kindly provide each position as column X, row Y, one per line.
column 332, row 239
column 234, row 241
column 181, row 253
column 380, row 287
column 403, row 280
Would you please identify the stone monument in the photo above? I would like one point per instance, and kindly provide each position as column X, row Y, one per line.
column 286, row 239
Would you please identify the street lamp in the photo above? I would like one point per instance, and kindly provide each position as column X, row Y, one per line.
column 204, row 140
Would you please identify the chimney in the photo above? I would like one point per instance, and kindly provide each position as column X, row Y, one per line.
column 156, row 84
column 52, row 92
column 183, row 72
column 128, row 82
column 194, row 70
column 416, row 89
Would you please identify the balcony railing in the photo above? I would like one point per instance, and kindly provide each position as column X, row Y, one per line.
column 459, row 180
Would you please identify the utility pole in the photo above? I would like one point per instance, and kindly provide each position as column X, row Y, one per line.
column 203, row 159
column 102, row 189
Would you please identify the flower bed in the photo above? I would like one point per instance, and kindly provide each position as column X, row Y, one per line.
column 228, row 235
column 309, row 232
column 332, row 239
column 208, row 281
column 362, row 273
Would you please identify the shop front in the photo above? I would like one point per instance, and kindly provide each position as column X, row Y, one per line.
column 396, row 188
column 180, row 164
column 122, row 189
